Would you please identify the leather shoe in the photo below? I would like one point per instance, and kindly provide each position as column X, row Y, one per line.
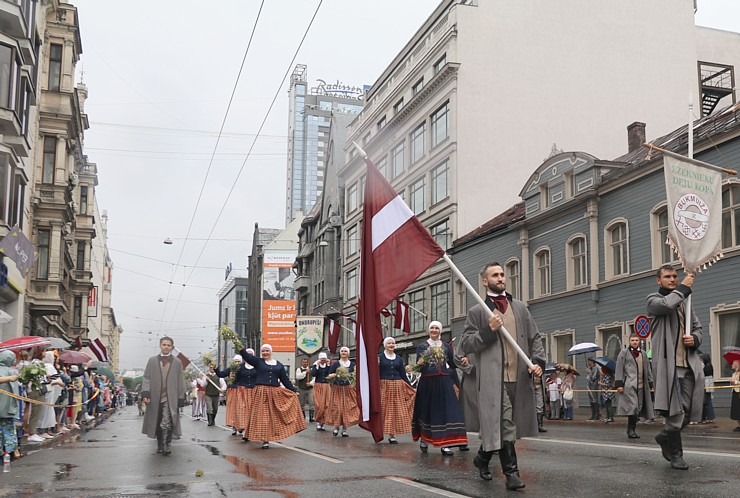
column 483, row 470
column 447, row 452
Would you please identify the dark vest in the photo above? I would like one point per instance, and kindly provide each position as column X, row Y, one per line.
column 303, row 383
column 210, row 390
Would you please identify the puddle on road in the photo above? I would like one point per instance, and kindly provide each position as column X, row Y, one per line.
column 168, row 487
column 63, row 471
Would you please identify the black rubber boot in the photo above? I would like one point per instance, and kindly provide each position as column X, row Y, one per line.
column 167, row 436
column 676, row 447
column 310, row 415
column 662, row 440
column 631, row 425
column 507, row 455
column 160, row 441
column 540, row 427
column 481, row 461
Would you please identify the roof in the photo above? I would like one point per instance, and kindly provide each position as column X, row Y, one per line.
column 503, row 220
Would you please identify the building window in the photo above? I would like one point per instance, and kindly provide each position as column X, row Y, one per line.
column 416, row 308
column 562, row 341
column 544, row 196
column 8, row 77
column 616, row 249
column 397, row 158
column 417, row 143
column 731, row 216
column 417, row 86
column 513, row 279
column 440, row 124
column 83, row 199
column 80, row 255
column 50, row 154
column 440, row 63
column 577, row 262
column 77, row 312
column 729, row 338
column 461, row 307
column 383, row 167
column 365, row 140
column 382, row 123
column 351, row 291
column 352, row 198
column 441, row 303
column 440, row 189
column 610, row 340
column 6, row 191
column 42, row 264
column 542, row 284
column 661, row 251
column 441, row 233
column 416, row 196
column 19, row 193
column 397, row 108
column 352, row 240
column 55, row 67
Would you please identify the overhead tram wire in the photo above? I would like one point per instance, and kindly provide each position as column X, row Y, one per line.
column 213, row 155
column 244, row 163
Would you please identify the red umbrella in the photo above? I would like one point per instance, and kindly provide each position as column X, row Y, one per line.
column 74, row 357
column 24, row 342
column 732, row 356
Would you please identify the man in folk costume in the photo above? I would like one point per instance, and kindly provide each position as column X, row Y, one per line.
column 679, row 373
column 164, row 386
column 214, row 385
column 304, row 382
column 505, row 389
column 633, row 380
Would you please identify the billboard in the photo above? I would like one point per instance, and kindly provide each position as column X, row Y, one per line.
column 278, row 300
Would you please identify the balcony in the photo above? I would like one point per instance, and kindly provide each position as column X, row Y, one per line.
column 302, row 283
column 12, row 21
column 9, row 124
column 45, row 298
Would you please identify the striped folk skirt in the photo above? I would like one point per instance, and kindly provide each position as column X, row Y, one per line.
column 321, row 398
column 231, row 402
column 274, row 414
column 397, row 399
column 343, row 409
column 244, row 397
column 438, row 418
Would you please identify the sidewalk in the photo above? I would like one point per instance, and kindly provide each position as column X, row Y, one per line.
column 581, row 415
column 26, row 445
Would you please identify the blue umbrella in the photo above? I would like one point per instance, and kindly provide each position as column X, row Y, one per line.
column 605, row 362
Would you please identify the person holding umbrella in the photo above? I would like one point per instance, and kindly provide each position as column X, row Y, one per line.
column 594, row 373
column 633, row 380
column 735, row 382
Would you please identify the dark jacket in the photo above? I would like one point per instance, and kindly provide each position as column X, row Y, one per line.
column 268, row 375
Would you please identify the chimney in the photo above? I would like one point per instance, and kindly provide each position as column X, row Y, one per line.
column 635, row 136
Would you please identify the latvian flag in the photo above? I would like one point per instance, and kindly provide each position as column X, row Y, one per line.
column 183, row 359
column 96, row 346
column 333, row 329
column 396, row 250
column 402, row 321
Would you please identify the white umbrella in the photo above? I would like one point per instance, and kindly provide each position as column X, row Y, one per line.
column 4, row 317
column 584, row 347
column 58, row 343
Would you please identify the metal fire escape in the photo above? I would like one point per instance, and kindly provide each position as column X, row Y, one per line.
column 716, row 82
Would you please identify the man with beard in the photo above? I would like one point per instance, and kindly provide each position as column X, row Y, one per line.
column 678, row 370
column 505, row 389
column 164, row 385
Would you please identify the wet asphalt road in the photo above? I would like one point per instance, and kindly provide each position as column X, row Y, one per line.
column 572, row 459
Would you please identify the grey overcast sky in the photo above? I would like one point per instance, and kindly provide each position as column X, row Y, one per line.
column 160, row 75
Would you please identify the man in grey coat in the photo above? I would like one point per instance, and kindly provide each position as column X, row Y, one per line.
column 678, row 370
column 633, row 380
column 164, row 387
column 506, row 403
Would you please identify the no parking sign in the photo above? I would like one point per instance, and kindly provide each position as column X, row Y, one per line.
column 642, row 326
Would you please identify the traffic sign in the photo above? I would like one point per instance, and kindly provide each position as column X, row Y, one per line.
column 642, row 326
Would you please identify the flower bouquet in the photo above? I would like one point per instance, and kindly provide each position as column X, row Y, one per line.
column 207, row 359
column 234, row 366
column 32, row 374
column 226, row 333
column 342, row 376
column 433, row 355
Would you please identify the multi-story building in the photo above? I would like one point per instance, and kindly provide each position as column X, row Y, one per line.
column 585, row 263
column 260, row 238
column 310, row 110
column 232, row 311
column 19, row 56
column 485, row 89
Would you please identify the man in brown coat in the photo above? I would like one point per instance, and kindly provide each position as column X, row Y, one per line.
column 164, row 387
column 506, row 403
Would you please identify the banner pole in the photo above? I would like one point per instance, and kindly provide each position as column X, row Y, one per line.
column 502, row 330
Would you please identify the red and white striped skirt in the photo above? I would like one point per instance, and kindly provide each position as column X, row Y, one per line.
column 244, row 397
column 343, row 409
column 274, row 414
column 231, row 403
column 321, row 398
column 397, row 398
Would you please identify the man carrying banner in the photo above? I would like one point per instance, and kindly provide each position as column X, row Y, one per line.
column 505, row 390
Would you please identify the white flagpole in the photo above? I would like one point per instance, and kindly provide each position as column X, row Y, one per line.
column 687, row 311
column 201, row 371
column 489, row 313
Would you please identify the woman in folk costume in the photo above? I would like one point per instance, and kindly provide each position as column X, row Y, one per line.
column 231, row 400
column 199, row 403
column 54, row 389
column 321, row 390
column 437, row 418
column 274, row 412
column 396, row 394
column 343, row 409
column 246, row 378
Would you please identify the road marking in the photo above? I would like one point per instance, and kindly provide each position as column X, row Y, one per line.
column 629, row 447
column 711, row 437
column 430, row 489
column 306, row 452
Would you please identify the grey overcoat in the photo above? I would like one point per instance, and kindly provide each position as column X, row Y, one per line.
column 486, row 346
column 151, row 387
column 468, row 392
column 663, row 317
column 632, row 401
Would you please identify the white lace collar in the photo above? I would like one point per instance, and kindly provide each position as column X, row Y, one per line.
column 345, row 363
column 272, row 362
column 433, row 343
column 391, row 356
column 248, row 366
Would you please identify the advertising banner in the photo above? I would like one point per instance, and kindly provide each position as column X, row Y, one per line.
column 278, row 300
